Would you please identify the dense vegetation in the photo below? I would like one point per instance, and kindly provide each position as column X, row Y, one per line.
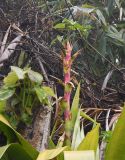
column 76, row 51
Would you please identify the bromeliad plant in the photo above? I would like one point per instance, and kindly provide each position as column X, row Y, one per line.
column 21, row 92
column 18, row 148
column 73, row 135
column 67, row 61
column 78, row 146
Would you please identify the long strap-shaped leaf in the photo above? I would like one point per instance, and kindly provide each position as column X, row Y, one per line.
column 14, row 151
column 79, row 155
column 90, row 142
column 50, row 154
column 13, row 136
column 75, row 106
column 116, row 147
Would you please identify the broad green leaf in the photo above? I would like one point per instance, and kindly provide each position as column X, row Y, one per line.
column 116, row 148
column 6, row 93
column 10, row 79
column 13, row 136
column 19, row 72
column 75, row 105
column 49, row 91
column 79, row 155
column 90, row 142
column 40, row 94
column 6, row 130
column 35, row 77
column 50, row 154
column 51, row 144
column 14, row 151
column 101, row 17
column 59, row 26
column 2, row 105
column 76, row 138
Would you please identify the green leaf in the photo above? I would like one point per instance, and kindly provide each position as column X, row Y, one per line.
column 6, row 93
column 10, row 79
column 13, row 136
column 75, row 105
column 77, row 138
column 84, row 115
column 2, row 106
column 40, row 94
column 50, row 154
column 19, row 72
column 116, row 148
column 51, row 144
column 49, row 91
column 79, row 155
column 21, row 58
column 59, row 26
column 35, row 77
column 14, row 151
column 88, row 8
column 101, row 17
column 90, row 142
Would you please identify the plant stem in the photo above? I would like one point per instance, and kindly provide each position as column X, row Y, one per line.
column 67, row 92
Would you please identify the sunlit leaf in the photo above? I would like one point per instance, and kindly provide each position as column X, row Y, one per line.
column 19, row 72
column 116, row 146
column 40, row 94
column 50, row 154
column 35, row 77
column 75, row 106
column 49, row 91
column 84, row 115
column 6, row 93
column 10, row 79
column 59, row 26
column 76, row 138
column 79, row 155
column 90, row 142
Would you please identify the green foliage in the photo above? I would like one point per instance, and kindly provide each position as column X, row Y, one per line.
column 102, row 23
column 90, row 142
column 106, row 136
column 16, row 144
column 21, row 92
column 50, row 154
column 115, row 148
column 78, row 134
column 79, row 155
column 19, row 149
column 72, row 25
column 75, row 106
